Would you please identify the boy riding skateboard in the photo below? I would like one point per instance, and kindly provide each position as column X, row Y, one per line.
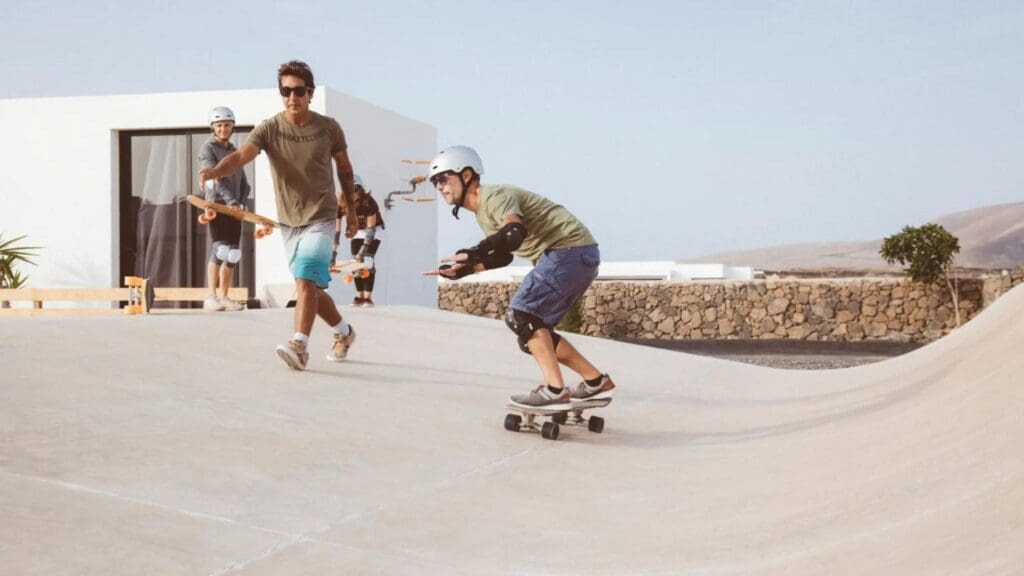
column 565, row 258
column 300, row 145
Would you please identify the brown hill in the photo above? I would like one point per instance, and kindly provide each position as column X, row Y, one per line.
column 990, row 237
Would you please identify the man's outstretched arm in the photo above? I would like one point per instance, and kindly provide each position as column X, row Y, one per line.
column 230, row 164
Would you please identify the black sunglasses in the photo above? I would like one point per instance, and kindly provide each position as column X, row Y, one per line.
column 440, row 179
column 300, row 91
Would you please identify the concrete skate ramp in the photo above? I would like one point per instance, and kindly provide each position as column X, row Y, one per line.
column 180, row 444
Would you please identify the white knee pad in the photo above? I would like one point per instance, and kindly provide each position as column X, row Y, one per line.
column 234, row 256
column 368, row 260
column 222, row 252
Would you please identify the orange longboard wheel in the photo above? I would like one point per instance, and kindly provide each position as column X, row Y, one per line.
column 364, row 273
column 347, row 278
column 203, row 219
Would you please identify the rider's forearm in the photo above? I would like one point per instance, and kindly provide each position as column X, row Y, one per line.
column 229, row 165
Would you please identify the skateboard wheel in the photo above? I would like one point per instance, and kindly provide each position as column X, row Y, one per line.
column 364, row 273
column 203, row 219
column 549, row 430
column 560, row 418
column 347, row 278
column 512, row 422
column 596, row 424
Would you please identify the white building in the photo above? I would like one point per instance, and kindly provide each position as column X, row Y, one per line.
column 100, row 183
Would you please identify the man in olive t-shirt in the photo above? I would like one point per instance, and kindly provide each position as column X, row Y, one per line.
column 565, row 257
column 300, row 145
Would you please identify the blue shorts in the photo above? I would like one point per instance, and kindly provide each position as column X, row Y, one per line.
column 560, row 277
column 309, row 250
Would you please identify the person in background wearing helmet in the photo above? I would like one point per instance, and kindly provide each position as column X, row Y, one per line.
column 565, row 258
column 366, row 242
column 225, row 233
column 301, row 145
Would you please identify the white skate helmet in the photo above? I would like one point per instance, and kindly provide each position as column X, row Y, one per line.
column 455, row 159
column 221, row 114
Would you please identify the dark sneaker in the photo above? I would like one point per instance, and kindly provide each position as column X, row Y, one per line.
column 541, row 397
column 294, row 354
column 341, row 345
column 357, row 301
column 606, row 389
column 367, row 303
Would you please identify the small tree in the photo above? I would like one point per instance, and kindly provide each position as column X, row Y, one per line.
column 928, row 253
column 10, row 255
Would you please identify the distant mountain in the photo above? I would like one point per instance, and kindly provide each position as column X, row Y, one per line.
column 990, row 237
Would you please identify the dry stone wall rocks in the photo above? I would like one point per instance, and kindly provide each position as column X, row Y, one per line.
column 826, row 309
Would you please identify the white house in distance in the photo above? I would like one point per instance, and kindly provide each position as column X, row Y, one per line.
column 100, row 183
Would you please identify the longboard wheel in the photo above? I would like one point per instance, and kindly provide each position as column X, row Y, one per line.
column 364, row 273
column 512, row 422
column 596, row 424
column 560, row 418
column 203, row 219
column 549, row 430
column 347, row 278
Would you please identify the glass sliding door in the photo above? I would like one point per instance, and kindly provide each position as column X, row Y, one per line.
column 160, row 237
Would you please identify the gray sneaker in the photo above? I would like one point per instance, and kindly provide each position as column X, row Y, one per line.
column 341, row 345
column 294, row 354
column 541, row 397
column 606, row 389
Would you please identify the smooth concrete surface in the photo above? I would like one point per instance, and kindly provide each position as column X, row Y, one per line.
column 180, row 444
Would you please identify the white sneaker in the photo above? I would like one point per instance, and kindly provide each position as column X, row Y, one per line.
column 230, row 305
column 213, row 303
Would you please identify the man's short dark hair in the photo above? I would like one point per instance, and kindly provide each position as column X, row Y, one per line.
column 296, row 68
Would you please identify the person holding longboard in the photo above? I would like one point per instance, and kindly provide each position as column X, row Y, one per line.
column 565, row 257
column 225, row 233
column 301, row 145
column 366, row 242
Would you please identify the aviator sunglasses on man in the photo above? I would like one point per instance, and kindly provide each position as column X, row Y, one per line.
column 439, row 180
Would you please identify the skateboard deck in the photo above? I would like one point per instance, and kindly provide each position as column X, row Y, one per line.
column 549, row 430
column 350, row 268
column 264, row 225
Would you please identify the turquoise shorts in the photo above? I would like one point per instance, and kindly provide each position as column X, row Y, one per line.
column 309, row 250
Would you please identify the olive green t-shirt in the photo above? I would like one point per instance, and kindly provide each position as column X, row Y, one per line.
column 300, row 163
column 548, row 225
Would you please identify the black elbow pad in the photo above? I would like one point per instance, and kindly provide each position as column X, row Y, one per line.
column 511, row 236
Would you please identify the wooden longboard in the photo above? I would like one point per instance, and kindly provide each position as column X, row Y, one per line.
column 571, row 417
column 264, row 225
column 350, row 268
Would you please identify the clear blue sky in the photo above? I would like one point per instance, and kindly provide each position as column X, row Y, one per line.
column 673, row 129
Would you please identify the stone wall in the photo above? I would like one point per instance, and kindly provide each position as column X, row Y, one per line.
column 833, row 309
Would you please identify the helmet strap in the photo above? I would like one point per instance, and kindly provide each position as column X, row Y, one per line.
column 465, row 189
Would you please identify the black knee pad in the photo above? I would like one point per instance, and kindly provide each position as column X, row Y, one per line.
column 524, row 325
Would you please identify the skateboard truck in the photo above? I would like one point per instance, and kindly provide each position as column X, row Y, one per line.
column 140, row 295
